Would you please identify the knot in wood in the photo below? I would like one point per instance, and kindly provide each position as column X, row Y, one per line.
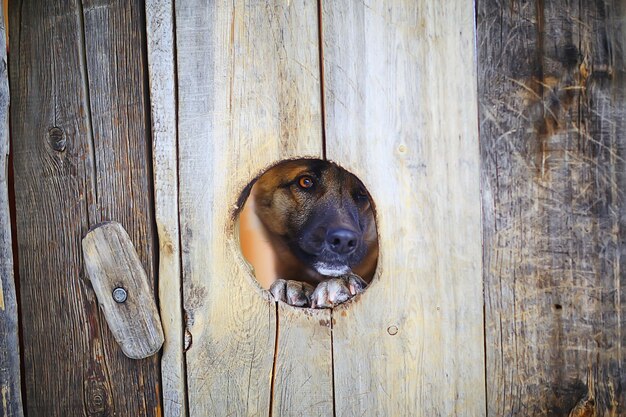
column 56, row 138
column 97, row 398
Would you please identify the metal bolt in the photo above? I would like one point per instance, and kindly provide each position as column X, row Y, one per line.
column 119, row 295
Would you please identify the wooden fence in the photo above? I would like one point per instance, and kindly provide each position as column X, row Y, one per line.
column 490, row 135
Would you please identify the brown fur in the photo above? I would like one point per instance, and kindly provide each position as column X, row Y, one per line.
column 284, row 217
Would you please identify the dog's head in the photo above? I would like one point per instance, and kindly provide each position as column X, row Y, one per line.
column 321, row 212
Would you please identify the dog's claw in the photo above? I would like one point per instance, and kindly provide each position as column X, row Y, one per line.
column 356, row 284
column 335, row 291
column 294, row 293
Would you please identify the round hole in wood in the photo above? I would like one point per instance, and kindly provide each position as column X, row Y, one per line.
column 308, row 229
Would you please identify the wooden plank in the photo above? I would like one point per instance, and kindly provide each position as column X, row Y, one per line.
column 51, row 194
column 10, row 388
column 161, row 70
column 118, row 93
column 78, row 119
column 553, row 123
column 248, row 91
column 123, row 291
column 400, row 100
column 303, row 375
column 116, row 70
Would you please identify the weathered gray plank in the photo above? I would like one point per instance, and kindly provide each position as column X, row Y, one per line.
column 553, row 135
column 161, row 69
column 10, row 389
column 248, row 91
column 123, row 290
column 79, row 124
column 400, row 100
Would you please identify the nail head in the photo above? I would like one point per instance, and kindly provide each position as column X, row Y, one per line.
column 119, row 295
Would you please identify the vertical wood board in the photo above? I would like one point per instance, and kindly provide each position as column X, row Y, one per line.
column 303, row 378
column 400, row 102
column 114, row 36
column 249, row 95
column 10, row 379
column 78, row 121
column 552, row 119
column 162, row 77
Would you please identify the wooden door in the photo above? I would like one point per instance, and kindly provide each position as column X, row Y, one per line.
column 385, row 89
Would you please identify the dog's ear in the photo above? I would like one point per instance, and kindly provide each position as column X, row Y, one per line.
column 243, row 197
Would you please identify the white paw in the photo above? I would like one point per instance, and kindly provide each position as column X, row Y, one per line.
column 294, row 293
column 335, row 291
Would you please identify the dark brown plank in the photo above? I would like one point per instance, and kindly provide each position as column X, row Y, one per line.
column 10, row 390
column 118, row 92
column 81, row 157
column 552, row 95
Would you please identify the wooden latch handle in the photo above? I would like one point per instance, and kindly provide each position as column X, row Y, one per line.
column 122, row 289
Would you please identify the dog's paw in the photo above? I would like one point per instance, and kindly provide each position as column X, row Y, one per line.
column 338, row 290
column 294, row 293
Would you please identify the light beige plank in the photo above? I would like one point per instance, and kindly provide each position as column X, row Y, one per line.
column 248, row 94
column 161, row 71
column 123, row 290
column 303, row 376
column 400, row 96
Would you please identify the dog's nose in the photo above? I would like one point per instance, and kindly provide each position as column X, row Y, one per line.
column 341, row 241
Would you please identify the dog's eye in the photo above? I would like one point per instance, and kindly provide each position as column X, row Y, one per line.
column 305, row 182
column 361, row 193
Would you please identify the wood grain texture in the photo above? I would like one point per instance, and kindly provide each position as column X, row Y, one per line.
column 553, row 123
column 249, row 95
column 302, row 362
column 161, row 69
column 79, row 125
column 112, row 263
column 400, row 100
column 10, row 389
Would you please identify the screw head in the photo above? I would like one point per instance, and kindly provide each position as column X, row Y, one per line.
column 120, row 295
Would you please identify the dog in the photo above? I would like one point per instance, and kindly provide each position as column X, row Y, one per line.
column 308, row 229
